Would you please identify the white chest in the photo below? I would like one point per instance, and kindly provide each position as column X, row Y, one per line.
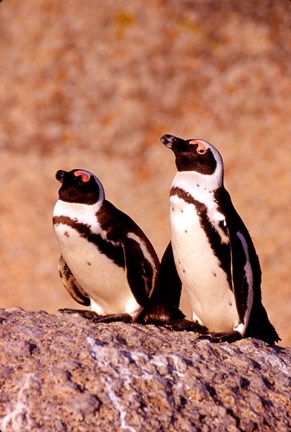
column 206, row 283
column 103, row 280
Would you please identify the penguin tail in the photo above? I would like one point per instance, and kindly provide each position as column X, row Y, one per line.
column 260, row 327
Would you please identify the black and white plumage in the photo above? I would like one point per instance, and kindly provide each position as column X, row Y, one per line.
column 106, row 262
column 213, row 252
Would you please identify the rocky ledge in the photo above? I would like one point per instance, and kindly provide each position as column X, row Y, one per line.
column 64, row 373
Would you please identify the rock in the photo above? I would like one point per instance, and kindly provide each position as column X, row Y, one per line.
column 98, row 88
column 64, row 373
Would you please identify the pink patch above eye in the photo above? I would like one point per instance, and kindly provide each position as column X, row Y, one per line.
column 85, row 176
column 201, row 146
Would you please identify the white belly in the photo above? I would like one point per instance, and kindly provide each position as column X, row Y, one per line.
column 212, row 301
column 104, row 282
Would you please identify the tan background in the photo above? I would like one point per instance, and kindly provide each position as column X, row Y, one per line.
column 90, row 84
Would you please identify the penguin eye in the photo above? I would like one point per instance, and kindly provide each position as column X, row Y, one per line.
column 201, row 150
column 201, row 146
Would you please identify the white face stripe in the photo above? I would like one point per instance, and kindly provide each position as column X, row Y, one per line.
column 196, row 184
column 83, row 213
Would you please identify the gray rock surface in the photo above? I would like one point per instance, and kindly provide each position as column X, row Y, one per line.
column 64, row 373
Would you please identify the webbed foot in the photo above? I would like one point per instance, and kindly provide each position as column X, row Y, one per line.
column 185, row 325
column 123, row 317
column 222, row 337
column 93, row 316
column 87, row 314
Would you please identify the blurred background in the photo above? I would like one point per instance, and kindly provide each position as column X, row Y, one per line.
column 87, row 84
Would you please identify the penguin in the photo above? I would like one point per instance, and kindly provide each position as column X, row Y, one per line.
column 106, row 262
column 214, row 257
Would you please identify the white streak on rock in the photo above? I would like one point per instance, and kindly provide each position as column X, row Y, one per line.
column 102, row 355
column 18, row 419
column 169, row 368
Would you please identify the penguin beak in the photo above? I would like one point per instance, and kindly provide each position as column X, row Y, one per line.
column 170, row 140
column 60, row 175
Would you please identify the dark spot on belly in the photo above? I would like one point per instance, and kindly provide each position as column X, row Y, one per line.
column 186, row 231
column 88, row 262
column 184, row 271
column 66, row 234
column 230, row 304
column 214, row 274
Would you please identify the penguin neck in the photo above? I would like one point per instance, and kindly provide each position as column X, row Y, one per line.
column 197, row 184
column 76, row 211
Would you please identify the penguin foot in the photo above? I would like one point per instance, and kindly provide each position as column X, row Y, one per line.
column 222, row 337
column 123, row 317
column 93, row 316
column 185, row 325
column 87, row 314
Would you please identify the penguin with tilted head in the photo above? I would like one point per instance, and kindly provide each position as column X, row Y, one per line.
column 106, row 260
column 211, row 254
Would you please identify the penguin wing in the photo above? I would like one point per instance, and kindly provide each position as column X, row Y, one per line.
column 140, row 260
column 242, row 278
column 72, row 286
column 140, row 272
column 246, row 276
column 245, row 266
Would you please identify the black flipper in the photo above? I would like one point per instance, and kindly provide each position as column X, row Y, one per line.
column 258, row 325
column 163, row 305
column 139, row 271
column 124, row 234
column 72, row 286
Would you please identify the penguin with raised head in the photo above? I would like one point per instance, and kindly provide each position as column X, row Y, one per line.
column 106, row 262
column 212, row 249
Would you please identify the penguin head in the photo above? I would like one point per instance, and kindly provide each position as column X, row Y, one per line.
column 196, row 155
column 79, row 186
